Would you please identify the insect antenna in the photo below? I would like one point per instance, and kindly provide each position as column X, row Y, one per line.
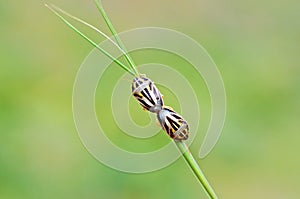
column 115, row 34
column 128, row 80
column 55, row 10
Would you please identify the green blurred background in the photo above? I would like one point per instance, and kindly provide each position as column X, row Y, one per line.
column 256, row 47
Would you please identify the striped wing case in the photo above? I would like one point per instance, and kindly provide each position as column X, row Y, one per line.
column 147, row 94
column 173, row 124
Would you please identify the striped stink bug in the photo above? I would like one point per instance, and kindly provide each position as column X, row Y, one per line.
column 173, row 124
column 143, row 89
column 147, row 94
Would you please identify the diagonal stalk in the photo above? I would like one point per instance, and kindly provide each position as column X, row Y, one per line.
column 180, row 144
column 115, row 34
column 196, row 169
column 53, row 9
column 90, row 26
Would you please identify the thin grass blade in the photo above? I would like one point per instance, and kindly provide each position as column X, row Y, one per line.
column 196, row 169
column 53, row 9
column 90, row 26
column 115, row 34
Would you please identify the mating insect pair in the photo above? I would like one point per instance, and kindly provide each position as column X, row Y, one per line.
column 150, row 98
column 143, row 89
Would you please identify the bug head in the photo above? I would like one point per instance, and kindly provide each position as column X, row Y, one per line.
column 138, row 81
column 182, row 133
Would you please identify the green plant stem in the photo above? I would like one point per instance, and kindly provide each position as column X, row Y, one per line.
column 115, row 34
column 89, row 40
column 90, row 26
column 196, row 169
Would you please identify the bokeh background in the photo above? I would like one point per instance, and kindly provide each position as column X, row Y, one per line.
column 256, row 47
